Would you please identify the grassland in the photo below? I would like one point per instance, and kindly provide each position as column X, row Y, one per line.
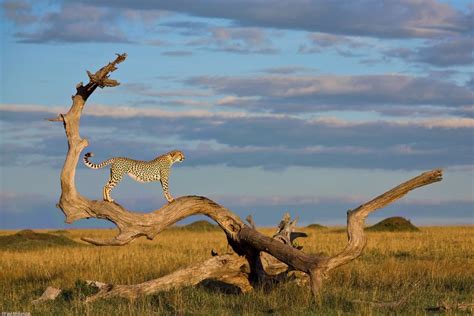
column 438, row 261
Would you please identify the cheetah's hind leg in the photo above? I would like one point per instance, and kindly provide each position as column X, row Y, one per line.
column 115, row 178
column 106, row 192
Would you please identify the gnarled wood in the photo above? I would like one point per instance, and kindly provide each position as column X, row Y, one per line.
column 286, row 234
column 246, row 241
column 227, row 268
column 355, row 225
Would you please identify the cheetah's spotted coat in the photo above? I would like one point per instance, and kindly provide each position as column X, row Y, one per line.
column 157, row 169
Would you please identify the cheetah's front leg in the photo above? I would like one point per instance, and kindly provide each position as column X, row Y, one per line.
column 164, row 184
column 169, row 197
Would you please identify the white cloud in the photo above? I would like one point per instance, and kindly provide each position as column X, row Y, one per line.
column 383, row 19
column 118, row 111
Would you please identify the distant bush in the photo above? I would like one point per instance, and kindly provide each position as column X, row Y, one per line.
column 29, row 240
column 316, row 226
column 201, row 226
column 393, row 224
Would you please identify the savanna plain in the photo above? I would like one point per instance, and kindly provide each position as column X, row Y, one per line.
column 428, row 268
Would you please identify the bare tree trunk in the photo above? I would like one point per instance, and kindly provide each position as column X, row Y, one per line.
column 245, row 240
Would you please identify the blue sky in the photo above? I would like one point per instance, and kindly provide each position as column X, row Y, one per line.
column 311, row 107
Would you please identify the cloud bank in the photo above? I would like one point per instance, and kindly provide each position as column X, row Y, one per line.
column 267, row 141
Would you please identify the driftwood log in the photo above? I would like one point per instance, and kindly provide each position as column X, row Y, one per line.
column 256, row 257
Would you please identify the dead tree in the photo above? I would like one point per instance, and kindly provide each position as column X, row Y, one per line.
column 257, row 257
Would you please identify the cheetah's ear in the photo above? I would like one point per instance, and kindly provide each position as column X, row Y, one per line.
column 174, row 154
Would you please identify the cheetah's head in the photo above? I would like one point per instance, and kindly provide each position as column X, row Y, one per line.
column 177, row 156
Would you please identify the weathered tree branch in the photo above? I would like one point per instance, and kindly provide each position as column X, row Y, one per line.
column 355, row 225
column 227, row 268
column 245, row 240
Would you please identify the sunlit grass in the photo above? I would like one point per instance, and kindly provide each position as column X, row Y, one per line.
column 439, row 261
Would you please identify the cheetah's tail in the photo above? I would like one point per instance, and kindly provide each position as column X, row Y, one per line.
column 93, row 165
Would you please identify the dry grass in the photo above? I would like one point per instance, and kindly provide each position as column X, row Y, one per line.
column 440, row 260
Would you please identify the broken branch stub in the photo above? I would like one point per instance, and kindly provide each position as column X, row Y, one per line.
column 50, row 294
column 246, row 241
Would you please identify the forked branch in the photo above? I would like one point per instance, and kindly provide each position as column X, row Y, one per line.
column 245, row 240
